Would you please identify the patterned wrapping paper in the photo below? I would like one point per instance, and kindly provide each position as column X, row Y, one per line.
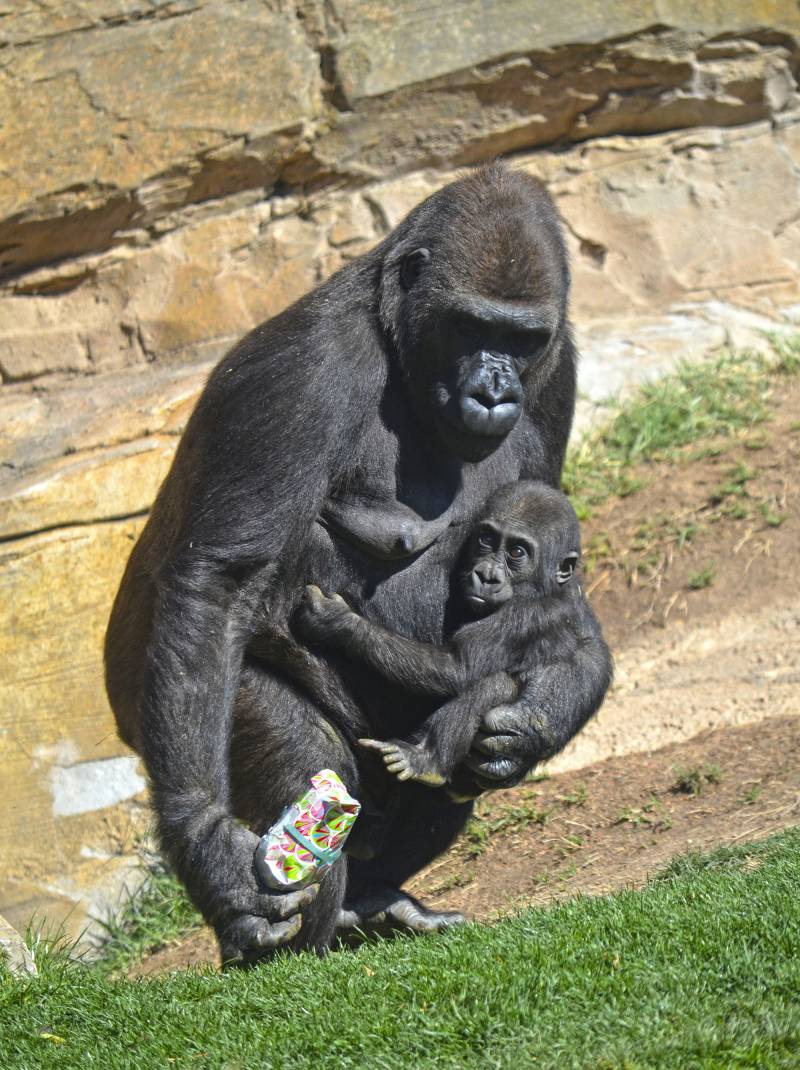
column 309, row 835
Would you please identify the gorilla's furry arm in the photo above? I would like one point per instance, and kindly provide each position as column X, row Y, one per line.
column 224, row 524
column 554, row 702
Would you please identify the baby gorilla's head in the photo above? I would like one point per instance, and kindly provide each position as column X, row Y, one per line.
column 528, row 534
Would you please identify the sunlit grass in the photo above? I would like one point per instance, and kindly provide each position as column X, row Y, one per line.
column 716, row 398
column 699, row 969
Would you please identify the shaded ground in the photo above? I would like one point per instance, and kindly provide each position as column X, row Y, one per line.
column 694, row 576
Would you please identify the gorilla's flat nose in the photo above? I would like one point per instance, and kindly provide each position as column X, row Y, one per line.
column 495, row 383
column 496, row 391
column 488, row 573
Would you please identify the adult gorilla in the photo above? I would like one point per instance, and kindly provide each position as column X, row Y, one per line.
column 350, row 442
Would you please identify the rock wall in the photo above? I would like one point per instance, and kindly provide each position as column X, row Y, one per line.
column 171, row 173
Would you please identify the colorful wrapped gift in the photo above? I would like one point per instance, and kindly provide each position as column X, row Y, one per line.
column 309, row 835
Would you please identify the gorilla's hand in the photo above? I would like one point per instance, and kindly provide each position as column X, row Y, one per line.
column 507, row 745
column 324, row 618
column 248, row 920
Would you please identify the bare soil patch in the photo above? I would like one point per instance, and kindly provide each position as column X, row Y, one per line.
column 712, row 534
column 694, row 577
column 613, row 824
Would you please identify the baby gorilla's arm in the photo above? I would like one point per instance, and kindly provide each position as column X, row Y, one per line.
column 444, row 739
column 418, row 667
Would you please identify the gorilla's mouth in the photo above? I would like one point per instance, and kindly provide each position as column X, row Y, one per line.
column 476, row 414
column 471, row 431
column 488, row 422
column 482, row 605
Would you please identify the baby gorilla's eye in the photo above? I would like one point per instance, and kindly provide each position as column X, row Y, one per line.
column 518, row 553
column 484, row 542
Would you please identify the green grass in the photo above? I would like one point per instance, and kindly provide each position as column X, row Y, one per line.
column 703, row 578
column 699, row 970
column 493, row 817
column 692, row 781
column 698, row 401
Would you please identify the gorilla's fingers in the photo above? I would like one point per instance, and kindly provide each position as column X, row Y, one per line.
column 248, row 933
column 289, row 903
column 412, row 915
column 397, row 909
column 276, row 905
column 501, row 769
column 313, row 598
column 494, row 746
column 348, row 919
column 279, row 933
column 379, row 745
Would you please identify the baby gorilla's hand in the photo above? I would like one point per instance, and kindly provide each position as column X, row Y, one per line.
column 324, row 617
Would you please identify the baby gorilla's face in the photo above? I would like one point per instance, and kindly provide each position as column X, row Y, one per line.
column 497, row 557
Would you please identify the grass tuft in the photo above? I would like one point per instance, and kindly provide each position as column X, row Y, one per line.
column 703, row 577
column 692, row 781
column 787, row 352
column 157, row 914
column 717, row 398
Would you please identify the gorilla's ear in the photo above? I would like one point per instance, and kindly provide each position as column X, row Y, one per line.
column 411, row 267
column 566, row 569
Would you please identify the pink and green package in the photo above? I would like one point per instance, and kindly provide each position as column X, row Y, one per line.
column 309, row 835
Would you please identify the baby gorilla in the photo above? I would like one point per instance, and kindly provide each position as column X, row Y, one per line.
column 518, row 608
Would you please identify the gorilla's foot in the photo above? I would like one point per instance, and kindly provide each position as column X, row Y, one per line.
column 388, row 909
column 408, row 761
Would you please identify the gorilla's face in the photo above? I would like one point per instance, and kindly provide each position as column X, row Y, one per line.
column 473, row 297
column 472, row 355
column 528, row 535
column 476, row 296
column 484, row 353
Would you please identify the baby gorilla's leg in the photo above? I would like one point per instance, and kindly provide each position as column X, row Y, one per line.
column 443, row 741
column 408, row 760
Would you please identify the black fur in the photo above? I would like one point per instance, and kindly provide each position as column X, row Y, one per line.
column 377, row 390
column 518, row 608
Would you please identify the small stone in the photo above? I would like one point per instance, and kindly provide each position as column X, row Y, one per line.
column 18, row 958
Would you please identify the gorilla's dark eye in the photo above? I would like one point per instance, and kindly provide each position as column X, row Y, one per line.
column 411, row 267
column 484, row 542
column 524, row 346
column 518, row 552
column 566, row 568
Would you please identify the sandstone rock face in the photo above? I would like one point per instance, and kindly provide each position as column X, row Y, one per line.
column 172, row 172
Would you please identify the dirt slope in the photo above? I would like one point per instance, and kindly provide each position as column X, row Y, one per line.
column 696, row 582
